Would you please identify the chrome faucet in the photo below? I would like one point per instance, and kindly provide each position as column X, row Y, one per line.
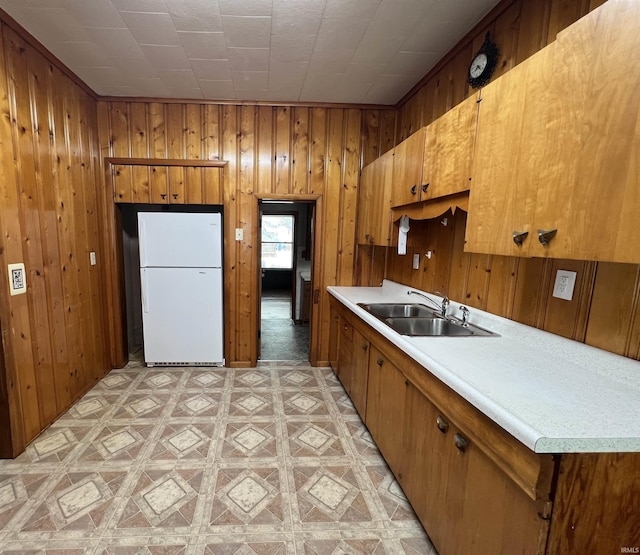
column 442, row 308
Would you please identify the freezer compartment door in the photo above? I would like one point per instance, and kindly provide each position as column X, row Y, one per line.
column 182, row 316
column 179, row 240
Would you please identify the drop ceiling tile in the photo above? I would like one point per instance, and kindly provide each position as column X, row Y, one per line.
column 290, row 50
column 118, row 43
column 340, row 33
column 97, row 77
column 247, row 32
column 155, row 6
column 249, row 59
column 397, row 19
column 175, row 78
column 445, row 34
column 318, row 87
column 287, row 71
column 389, row 89
column 301, row 18
column 215, row 70
column 151, row 28
column 283, row 93
column 330, row 61
column 150, row 87
column 133, row 68
column 353, row 9
column 245, row 7
column 372, row 50
column 414, row 64
column 250, row 79
column 50, row 24
column 80, row 54
column 217, row 90
column 94, row 14
column 204, row 46
column 350, row 92
column 166, row 57
column 364, row 71
column 32, row 4
column 195, row 15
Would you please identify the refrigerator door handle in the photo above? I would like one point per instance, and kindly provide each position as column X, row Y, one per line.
column 142, row 243
column 144, row 289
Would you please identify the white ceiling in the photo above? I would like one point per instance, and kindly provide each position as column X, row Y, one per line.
column 351, row 51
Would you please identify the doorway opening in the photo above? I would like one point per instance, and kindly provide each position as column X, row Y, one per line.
column 286, row 233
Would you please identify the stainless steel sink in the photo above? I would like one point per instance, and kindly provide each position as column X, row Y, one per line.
column 434, row 327
column 399, row 310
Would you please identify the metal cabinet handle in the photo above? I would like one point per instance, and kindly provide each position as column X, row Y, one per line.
column 379, row 362
column 365, row 346
column 519, row 237
column 442, row 424
column 545, row 236
column 461, row 443
column 414, row 190
column 425, row 187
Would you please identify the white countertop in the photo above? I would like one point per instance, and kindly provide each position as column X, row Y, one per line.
column 553, row 394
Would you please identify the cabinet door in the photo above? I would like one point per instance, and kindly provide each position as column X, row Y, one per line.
column 345, row 354
column 448, row 155
column 360, row 375
column 508, row 159
column 374, row 202
column 590, row 188
column 425, row 466
column 386, row 393
column 407, row 169
column 334, row 334
column 486, row 512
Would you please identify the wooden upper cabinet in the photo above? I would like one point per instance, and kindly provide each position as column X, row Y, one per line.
column 448, row 154
column 407, row 169
column 506, row 159
column 374, row 204
column 167, row 184
column 558, row 146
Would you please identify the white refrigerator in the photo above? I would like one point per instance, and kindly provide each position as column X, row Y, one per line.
column 181, row 287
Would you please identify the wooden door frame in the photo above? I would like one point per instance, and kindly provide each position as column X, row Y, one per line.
column 111, row 231
column 316, row 263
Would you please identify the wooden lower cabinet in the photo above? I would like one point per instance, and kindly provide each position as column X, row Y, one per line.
column 474, row 487
column 386, row 392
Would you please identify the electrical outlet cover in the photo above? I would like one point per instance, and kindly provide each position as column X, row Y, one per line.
column 17, row 279
column 565, row 282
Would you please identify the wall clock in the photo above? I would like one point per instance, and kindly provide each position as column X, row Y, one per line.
column 483, row 64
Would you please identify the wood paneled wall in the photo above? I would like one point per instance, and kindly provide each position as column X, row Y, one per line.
column 271, row 152
column 52, row 336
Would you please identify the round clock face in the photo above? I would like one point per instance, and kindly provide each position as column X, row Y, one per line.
column 478, row 66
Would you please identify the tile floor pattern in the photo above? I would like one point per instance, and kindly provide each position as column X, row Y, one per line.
column 267, row 460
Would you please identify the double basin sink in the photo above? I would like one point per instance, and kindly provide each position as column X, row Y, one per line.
column 416, row 319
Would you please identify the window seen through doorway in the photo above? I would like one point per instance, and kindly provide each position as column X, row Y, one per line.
column 277, row 241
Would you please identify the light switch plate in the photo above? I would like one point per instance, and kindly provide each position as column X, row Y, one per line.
column 17, row 279
column 565, row 282
column 416, row 261
column 92, row 258
column 239, row 234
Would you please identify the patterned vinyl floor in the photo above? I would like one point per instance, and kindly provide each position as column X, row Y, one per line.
column 269, row 460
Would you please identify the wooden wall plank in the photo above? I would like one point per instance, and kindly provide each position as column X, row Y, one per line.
column 159, row 185
column 300, row 151
column 282, row 179
column 176, row 185
column 138, row 133
column 140, row 184
column 211, row 132
column 265, row 149
column 317, row 151
column 213, row 182
column 193, row 131
column 193, row 189
column 156, row 127
column 175, row 131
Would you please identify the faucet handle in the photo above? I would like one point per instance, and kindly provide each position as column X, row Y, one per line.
column 465, row 315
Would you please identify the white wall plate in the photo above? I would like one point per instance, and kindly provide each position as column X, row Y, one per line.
column 17, row 279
